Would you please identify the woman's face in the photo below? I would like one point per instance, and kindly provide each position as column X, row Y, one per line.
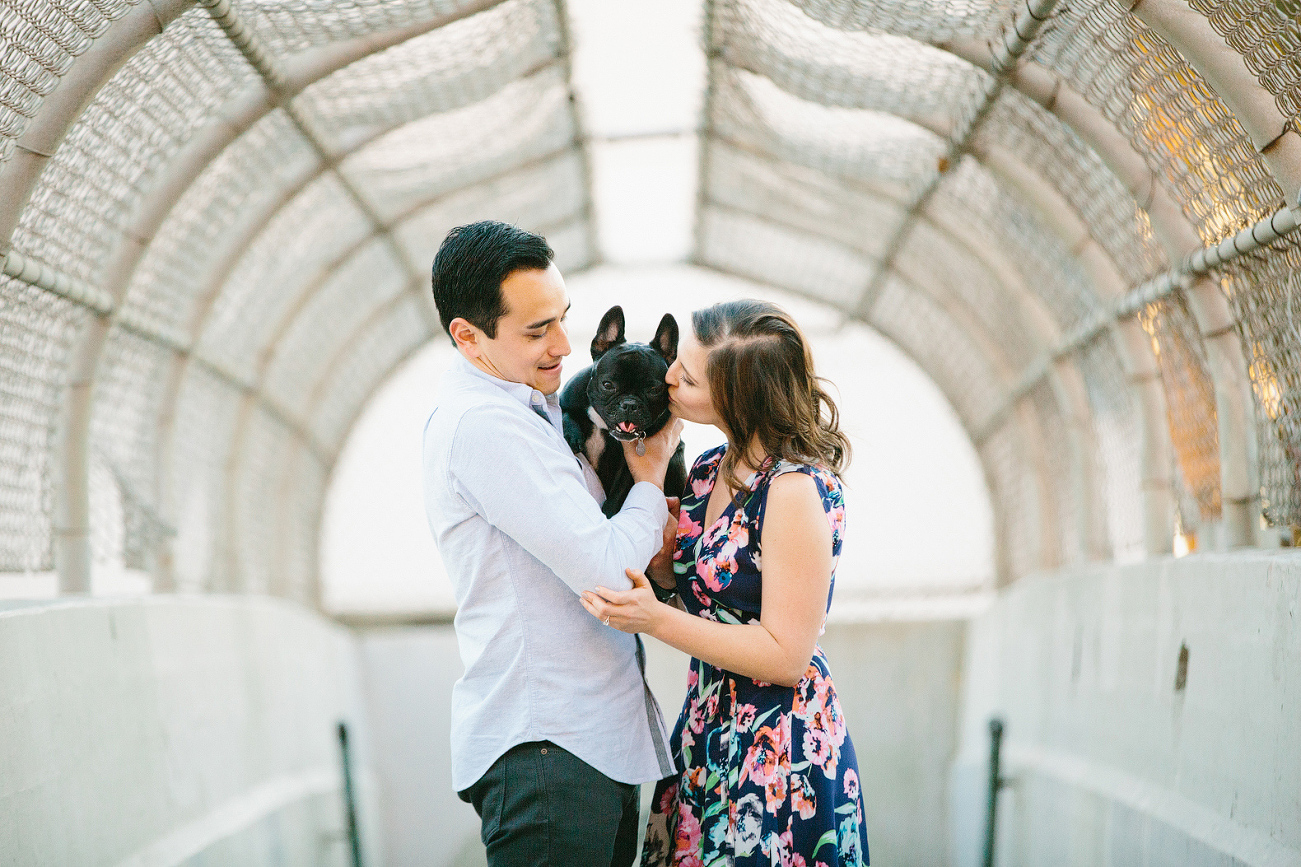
column 689, row 385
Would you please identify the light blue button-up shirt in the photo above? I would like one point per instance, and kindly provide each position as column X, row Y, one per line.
column 521, row 535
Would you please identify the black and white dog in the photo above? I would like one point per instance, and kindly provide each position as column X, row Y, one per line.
column 622, row 397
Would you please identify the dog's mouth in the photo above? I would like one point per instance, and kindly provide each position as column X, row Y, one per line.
column 626, row 432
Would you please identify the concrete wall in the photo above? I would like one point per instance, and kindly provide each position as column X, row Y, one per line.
column 409, row 672
column 174, row 730
column 898, row 683
column 1109, row 762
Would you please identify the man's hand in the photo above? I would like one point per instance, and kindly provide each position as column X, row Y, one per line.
column 651, row 466
column 660, row 568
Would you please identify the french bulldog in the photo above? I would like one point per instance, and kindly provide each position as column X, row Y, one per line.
column 622, row 396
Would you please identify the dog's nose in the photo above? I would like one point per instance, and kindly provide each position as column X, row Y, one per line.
column 628, row 404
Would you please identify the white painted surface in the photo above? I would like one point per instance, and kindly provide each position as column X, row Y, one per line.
column 898, row 685
column 409, row 672
column 1110, row 763
column 170, row 730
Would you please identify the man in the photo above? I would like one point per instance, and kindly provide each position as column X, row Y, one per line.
column 553, row 725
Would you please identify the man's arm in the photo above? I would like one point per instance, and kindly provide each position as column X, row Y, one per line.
column 514, row 474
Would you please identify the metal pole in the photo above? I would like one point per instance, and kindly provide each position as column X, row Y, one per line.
column 1005, row 56
column 1221, row 65
column 995, row 783
column 349, row 797
column 1282, row 222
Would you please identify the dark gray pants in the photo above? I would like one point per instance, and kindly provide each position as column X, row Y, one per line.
column 542, row 806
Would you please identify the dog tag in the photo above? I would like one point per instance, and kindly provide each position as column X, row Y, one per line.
column 641, row 447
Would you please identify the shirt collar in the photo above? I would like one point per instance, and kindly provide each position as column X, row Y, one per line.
column 529, row 396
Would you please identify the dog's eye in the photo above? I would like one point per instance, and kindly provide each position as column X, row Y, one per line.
column 607, row 385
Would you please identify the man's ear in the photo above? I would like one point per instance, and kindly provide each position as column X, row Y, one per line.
column 465, row 336
column 609, row 333
column 665, row 340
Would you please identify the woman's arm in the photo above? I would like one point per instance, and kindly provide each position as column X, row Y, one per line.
column 796, row 578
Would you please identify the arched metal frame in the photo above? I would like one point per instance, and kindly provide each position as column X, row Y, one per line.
column 1233, row 398
column 1054, row 382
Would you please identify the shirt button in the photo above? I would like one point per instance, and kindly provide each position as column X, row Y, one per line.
column 544, row 751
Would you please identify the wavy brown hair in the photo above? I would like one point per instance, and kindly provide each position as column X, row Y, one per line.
column 763, row 386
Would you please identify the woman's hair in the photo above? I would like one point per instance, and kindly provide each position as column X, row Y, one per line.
column 761, row 379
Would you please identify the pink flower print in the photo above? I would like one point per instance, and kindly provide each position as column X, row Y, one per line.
column 745, row 715
column 738, row 534
column 701, row 486
column 822, row 689
column 687, row 528
column 778, row 848
column 700, row 595
column 821, row 751
column 668, row 800
column 837, row 516
column 711, row 706
column 776, row 790
column 802, row 796
column 763, row 757
column 832, row 718
column 810, row 695
column 838, row 730
column 686, row 843
column 817, row 747
column 705, row 571
column 693, row 677
column 851, row 784
column 695, row 719
column 716, row 571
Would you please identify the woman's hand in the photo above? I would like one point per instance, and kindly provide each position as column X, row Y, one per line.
column 635, row 610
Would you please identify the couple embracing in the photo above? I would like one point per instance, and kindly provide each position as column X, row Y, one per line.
column 553, row 724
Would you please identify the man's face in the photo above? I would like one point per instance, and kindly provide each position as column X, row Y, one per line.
column 532, row 337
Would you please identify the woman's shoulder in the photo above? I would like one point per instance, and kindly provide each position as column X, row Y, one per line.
column 825, row 479
column 807, row 486
column 826, row 484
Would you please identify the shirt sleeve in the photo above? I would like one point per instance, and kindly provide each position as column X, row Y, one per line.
column 519, row 478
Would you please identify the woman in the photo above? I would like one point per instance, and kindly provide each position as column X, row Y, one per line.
column 769, row 773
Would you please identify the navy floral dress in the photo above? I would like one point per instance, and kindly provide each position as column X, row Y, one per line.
column 770, row 774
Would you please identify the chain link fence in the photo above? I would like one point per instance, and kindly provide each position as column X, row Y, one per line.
column 226, row 247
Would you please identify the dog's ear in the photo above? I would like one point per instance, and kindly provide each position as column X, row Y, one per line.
column 609, row 333
column 665, row 340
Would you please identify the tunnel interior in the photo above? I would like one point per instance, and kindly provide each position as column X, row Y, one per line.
column 1077, row 218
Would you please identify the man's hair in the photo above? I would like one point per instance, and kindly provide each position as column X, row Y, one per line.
column 471, row 265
